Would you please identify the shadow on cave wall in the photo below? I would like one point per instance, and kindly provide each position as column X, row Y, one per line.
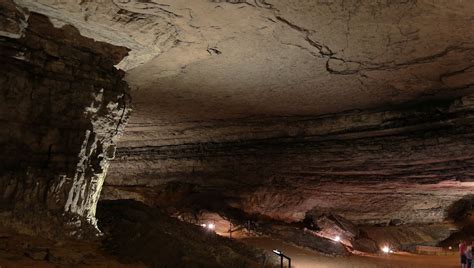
column 461, row 210
column 461, row 213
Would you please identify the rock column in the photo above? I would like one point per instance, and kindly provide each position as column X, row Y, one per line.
column 62, row 106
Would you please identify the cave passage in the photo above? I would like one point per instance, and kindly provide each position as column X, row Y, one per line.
column 225, row 133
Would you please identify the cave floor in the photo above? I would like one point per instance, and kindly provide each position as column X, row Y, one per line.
column 22, row 251
column 17, row 250
column 28, row 263
column 303, row 258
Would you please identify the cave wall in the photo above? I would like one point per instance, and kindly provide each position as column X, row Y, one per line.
column 403, row 165
column 62, row 106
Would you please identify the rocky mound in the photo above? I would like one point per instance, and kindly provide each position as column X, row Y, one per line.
column 137, row 232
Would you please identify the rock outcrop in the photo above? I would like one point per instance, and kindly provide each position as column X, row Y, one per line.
column 407, row 237
column 137, row 232
column 62, row 106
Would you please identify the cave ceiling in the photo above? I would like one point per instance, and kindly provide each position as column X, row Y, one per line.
column 205, row 60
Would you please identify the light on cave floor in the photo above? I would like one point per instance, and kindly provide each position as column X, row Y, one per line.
column 210, row 226
column 386, row 249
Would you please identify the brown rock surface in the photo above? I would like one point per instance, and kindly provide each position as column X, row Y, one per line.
column 404, row 166
column 19, row 250
column 137, row 232
column 407, row 237
column 201, row 60
column 62, row 107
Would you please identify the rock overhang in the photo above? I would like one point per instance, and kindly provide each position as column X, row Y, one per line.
column 205, row 60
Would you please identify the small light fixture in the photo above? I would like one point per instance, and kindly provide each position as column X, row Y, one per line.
column 337, row 238
column 211, row 226
column 204, row 225
column 386, row 249
column 277, row 252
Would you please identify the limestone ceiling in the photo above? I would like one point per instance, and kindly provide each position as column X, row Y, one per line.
column 201, row 59
column 307, row 57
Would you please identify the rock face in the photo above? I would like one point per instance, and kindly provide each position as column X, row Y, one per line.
column 407, row 237
column 305, row 239
column 142, row 26
column 392, row 167
column 62, row 106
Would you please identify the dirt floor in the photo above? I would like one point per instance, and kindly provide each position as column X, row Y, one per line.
column 7, row 262
column 18, row 250
column 144, row 242
column 14, row 256
column 302, row 258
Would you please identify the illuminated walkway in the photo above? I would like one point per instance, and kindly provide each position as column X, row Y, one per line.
column 302, row 258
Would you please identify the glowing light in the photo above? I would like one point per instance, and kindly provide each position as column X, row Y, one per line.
column 276, row 251
column 211, row 226
column 204, row 225
column 386, row 249
column 337, row 238
column 450, row 247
